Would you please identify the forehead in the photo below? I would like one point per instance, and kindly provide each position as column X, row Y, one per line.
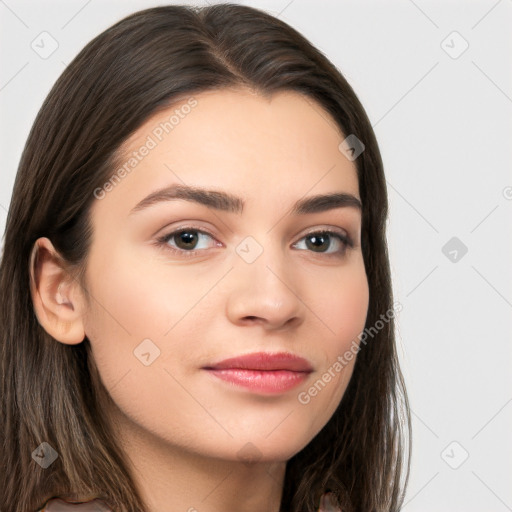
column 270, row 148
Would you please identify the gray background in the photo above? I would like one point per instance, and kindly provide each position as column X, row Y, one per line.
column 443, row 119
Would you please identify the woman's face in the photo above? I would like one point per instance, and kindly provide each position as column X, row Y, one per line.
column 238, row 280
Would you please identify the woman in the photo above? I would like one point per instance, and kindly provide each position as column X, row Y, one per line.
column 195, row 288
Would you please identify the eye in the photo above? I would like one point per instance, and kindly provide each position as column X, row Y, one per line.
column 185, row 242
column 316, row 241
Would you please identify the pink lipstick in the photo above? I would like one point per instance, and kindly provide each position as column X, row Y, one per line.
column 262, row 371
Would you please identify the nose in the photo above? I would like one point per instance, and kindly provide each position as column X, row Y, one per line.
column 265, row 293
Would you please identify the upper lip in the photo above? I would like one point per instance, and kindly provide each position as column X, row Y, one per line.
column 264, row 361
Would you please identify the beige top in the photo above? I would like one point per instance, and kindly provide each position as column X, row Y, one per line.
column 60, row 505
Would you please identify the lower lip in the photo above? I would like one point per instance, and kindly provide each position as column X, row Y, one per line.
column 266, row 381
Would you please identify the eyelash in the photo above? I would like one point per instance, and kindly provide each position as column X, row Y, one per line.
column 162, row 241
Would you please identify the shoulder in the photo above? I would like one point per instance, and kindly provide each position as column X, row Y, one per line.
column 60, row 505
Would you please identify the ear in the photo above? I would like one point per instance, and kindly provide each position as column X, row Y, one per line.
column 57, row 297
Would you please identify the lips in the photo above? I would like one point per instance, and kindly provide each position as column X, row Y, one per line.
column 262, row 372
column 264, row 361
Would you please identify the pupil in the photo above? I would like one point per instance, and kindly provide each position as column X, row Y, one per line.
column 188, row 238
column 317, row 240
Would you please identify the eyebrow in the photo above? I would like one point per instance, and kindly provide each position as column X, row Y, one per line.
column 223, row 201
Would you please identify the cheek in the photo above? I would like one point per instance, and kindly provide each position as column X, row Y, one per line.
column 343, row 307
column 137, row 299
column 128, row 305
column 343, row 303
column 133, row 298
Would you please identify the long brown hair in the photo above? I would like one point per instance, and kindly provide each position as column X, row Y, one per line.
column 50, row 391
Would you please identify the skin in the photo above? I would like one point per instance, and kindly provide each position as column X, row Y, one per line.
column 181, row 428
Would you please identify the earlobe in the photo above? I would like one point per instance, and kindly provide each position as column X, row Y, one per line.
column 56, row 296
